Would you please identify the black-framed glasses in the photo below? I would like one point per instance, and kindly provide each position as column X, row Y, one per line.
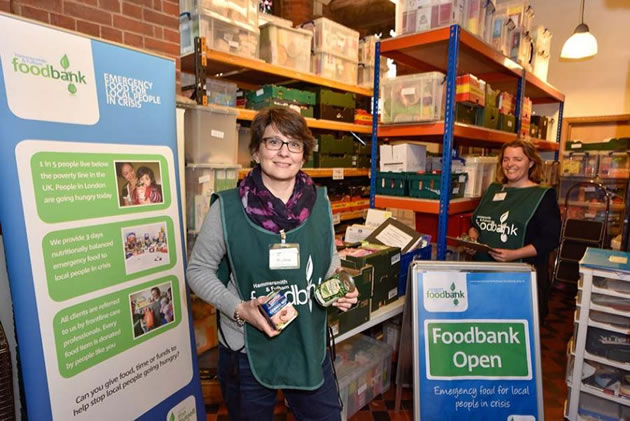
column 275, row 144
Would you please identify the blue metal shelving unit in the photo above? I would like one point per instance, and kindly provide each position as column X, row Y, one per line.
column 449, row 124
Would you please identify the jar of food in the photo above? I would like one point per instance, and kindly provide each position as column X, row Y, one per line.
column 334, row 288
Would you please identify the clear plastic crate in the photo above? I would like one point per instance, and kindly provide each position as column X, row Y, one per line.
column 221, row 92
column 201, row 181
column 335, row 67
column 367, row 50
column 415, row 97
column 616, row 165
column 229, row 37
column 333, row 38
column 211, row 135
column 519, row 11
column 366, row 74
column 363, row 368
column 473, row 16
column 423, row 15
column 289, row 47
column 244, row 12
column 480, row 170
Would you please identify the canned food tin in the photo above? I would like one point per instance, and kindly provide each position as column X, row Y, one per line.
column 334, row 288
column 277, row 310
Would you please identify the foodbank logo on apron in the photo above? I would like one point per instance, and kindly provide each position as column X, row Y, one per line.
column 488, row 224
column 445, row 293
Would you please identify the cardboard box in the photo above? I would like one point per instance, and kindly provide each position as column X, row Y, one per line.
column 471, row 89
column 342, row 322
column 386, row 262
column 403, row 157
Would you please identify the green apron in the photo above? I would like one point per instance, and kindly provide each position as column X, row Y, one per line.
column 293, row 359
column 503, row 214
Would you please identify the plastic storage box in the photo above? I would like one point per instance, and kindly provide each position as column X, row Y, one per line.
column 480, row 170
column 415, row 97
column 367, row 49
column 211, row 135
column 391, row 183
column 333, row 38
column 332, row 66
column 363, row 367
column 423, row 15
column 201, row 181
column 428, row 186
column 244, row 12
column 221, row 92
column 289, row 47
column 366, row 74
column 615, row 165
column 223, row 35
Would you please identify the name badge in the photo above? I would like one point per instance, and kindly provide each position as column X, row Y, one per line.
column 284, row 256
column 498, row 197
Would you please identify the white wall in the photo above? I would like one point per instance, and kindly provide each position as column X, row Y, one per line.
column 599, row 85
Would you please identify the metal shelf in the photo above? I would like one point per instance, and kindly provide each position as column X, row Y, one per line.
column 425, row 205
column 253, row 72
column 313, row 123
column 321, row 172
column 434, row 132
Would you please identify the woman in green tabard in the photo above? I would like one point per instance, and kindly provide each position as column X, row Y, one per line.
column 273, row 232
column 517, row 217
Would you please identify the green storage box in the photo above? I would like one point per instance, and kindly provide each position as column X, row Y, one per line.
column 534, row 131
column 338, row 99
column 466, row 113
column 427, row 186
column 391, row 183
column 386, row 263
column 280, row 92
column 360, row 149
column 329, row 144
column 332, row 161
column 507, row 122
column 305, row 110
column 492, row 96
column 334, row 113
column 361, row 161
column 490, row 119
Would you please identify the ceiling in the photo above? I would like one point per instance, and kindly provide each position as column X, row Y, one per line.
column 366, row 16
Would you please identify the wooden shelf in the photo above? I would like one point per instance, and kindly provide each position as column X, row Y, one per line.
column 425, row 205
column 540, row 91
column 256, row 72
column 321, row 172
column 376, row 317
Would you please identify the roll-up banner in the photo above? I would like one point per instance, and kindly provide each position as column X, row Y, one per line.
column 90, row 216
column 476, row 348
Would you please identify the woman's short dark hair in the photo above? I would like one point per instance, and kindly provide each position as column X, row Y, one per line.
column 287, row 121
column 535, row 173
column 119, row 167
column 146, row 170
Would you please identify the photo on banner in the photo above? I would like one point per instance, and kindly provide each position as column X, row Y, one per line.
column 151, row 308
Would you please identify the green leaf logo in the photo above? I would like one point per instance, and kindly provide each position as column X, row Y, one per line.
column 172, row 418
column 72, row 89
column 65, row 63
column 453, row 286
column 455, row 301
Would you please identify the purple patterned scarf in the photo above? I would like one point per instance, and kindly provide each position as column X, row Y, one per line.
column 267, row 211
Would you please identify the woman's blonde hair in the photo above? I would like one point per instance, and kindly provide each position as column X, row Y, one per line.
column 535, row 173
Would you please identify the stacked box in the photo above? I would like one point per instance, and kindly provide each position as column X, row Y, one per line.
column 506, row 103
column 201, row 181
column 488, row 9
column 336, row 106
column 507, row 122
column 541, row 123
column 335, row 50
column 492, row 96
column 362, row 155
column 403, row 157
column 367, row 48
column 273, row 95
column 471, row 90
column 332, row 160
column 329, row 144
column 363, row 368
column 411, row 98
column 489, row 117
column 366, row 74
column 286, row 46
column 467, row 113
column 363, row 277
column 424, row 15
column 542, row 52
column 386, row 263
column 211, row 135
column 428, row 186
column 480, row 170
column 526, row 117
column 224, row 23
column 362, row 117
column 473, row 16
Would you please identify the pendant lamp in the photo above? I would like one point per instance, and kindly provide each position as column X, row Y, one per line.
column 582, row 43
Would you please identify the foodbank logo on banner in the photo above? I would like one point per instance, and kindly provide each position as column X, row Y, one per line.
column 183, row 411
column 23, row 65
column 445, row 293
column 48, row 74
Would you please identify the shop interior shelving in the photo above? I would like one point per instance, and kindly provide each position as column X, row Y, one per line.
column 454, row 51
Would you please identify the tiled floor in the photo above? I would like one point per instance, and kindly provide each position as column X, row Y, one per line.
column 555, row 333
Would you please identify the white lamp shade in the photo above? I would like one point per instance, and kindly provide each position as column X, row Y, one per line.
column 579, row 45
